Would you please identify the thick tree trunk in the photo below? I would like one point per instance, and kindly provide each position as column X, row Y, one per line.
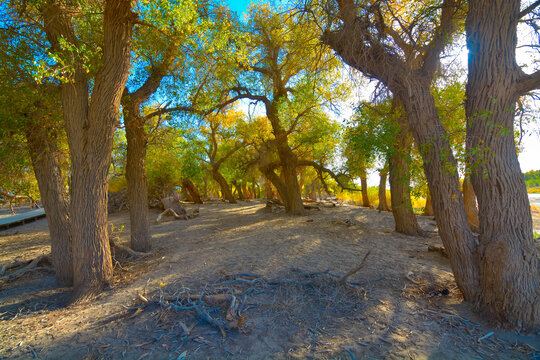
column 383, row 203
column 192, row 190
column 363, row 183
column 400, row 192
column 428, row 208
column 224, row 186
column 440, row 168
column 136, row 179
column 509, row 264
column 469, row 198
column 45, row 157
column 90, row 126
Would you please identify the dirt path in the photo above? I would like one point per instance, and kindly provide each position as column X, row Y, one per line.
column 407, row 305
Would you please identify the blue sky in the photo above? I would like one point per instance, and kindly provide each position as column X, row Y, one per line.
column 238, row 5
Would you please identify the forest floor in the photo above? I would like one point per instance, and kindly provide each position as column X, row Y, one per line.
column 282, row 270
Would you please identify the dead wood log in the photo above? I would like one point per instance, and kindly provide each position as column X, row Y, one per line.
column 186, row 216
column 312, row 207
column 438, row 249
column 343, row 280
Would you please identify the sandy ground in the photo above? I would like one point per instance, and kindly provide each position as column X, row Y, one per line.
column 405, row 305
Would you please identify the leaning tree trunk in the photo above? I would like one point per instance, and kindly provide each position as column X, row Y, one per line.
column 383, row 203
column 363, row 183
column 400, row 191
column 136, row 179
column 440, row 168
column 509, row 265
column 45, row 157
column 90, row 126
column 192, row 190
column 469, row 199
column 224, row 186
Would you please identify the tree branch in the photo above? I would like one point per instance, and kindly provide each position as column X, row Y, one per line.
column 528, row 83
column 528, row 9
column 321, row 168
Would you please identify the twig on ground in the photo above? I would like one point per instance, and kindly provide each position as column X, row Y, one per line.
column 343, row 280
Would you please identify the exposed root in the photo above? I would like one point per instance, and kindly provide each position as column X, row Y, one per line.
column 42, row 262
column 124, row 252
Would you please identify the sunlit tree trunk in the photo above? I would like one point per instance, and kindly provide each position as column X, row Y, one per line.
column 509, row 289
column 90, row 125
column 400, row 191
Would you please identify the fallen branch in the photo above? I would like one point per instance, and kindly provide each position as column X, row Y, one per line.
column 171, row 212
column 343, row 280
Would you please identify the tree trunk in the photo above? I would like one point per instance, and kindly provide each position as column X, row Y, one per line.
column 293, row 202
column 383, row 204
column 90, row 126
column 469, row 198
column 400, row 191
column 440, row 168
column 363, row 183
column 45, row 157
column 509, row 265
column 428, row 208
column 268, row 192
column 136, row 178
column 224, row 186
column 238, row 190
column 192, row 190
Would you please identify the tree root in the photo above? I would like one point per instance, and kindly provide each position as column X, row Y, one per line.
column 124, row 252
column 42, row 262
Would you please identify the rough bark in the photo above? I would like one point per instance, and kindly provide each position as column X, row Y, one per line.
column 383, row 203
column 45, row 155
column 363, row 183
column 192, row 190
column 90, row 125
column 400, row 178
column 428, row 208
column 469, row 199
column 137, row 140
column 509, row 264
column 136, row 176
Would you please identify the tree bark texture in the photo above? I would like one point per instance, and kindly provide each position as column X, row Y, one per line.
column 136, row 176
column 90, row 125
column 45, row 155
column 363, row 183
column 400, row 179
column 383, row 203
column 469, row 198
column 509, row 265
